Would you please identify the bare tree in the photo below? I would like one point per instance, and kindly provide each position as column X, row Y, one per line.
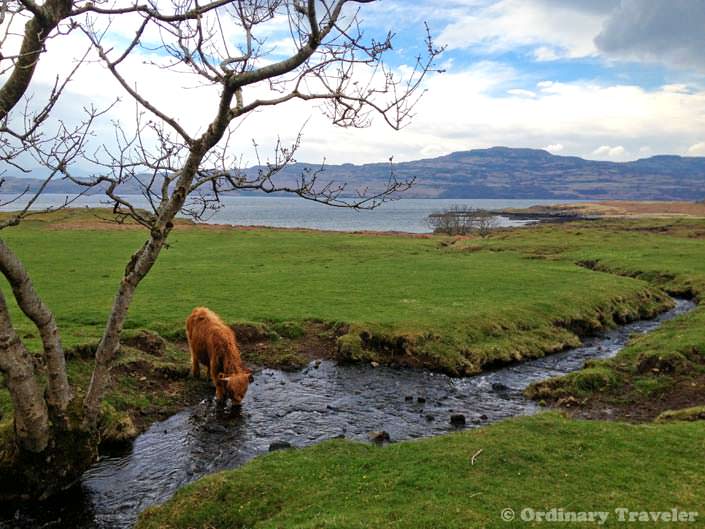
column 452, row 221
column 460, row 220
column 484, row 222
column 178, row 170
column 28, row 138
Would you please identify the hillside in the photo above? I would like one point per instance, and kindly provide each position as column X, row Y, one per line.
column 502, row 172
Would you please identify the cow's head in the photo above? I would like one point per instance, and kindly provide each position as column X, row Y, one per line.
column 235, row 385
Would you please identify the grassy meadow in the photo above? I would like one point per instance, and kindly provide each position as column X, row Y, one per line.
column 458, row 305
column 453, row 304
column 418, row 301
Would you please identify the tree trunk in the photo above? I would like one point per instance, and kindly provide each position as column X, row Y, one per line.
column 31, row 414
column 143, row 260
column 58, row 388
column 138, row 267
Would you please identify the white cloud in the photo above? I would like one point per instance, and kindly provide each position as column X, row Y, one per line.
column 676, row 88
column 546, row 53
column 465, row 109
column 520, row 92
column 553, row 29
column 605, row 151
column 697, row 149
column 666, row 32
column 554, row 148
column 468, row 107
column 623, row 118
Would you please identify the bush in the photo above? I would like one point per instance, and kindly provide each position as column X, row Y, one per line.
column 350, row 348
column 588, row 380
column 461, row 220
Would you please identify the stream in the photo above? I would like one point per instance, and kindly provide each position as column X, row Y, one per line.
column 322, row 401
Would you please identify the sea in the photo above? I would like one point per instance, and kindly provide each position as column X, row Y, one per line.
column 403, row 215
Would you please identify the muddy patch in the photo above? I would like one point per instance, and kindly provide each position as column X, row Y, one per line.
column 686, row 392
column 289, row 346
column 174, row 385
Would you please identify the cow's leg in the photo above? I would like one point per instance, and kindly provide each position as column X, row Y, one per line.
column 195, row 368
column 219, row 393
column 213, row 367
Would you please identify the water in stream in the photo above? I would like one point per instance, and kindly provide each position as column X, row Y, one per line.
column 324, row 400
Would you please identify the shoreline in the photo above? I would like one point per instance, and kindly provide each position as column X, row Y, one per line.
column 600, row 209
column 560, row 212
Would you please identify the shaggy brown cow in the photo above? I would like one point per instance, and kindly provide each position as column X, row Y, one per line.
column 213, row 344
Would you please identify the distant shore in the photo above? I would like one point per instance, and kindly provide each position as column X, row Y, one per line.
column 607, row 208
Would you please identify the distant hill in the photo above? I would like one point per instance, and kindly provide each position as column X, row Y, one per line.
column 502, row 172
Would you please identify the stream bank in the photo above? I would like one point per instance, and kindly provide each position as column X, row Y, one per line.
column 322, row 401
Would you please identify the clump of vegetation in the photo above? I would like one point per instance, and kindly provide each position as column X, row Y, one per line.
column 661, row 362
column 251, row 332
column 594, row 379
column 462, row 220
column 115, row 428
column 349, row 348
column 696, row 413
column 577, row 384
column 288, row 329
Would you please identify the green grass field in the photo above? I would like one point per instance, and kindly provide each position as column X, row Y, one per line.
column 655, row 372
column 664, row 252
column 455, row 310
column 451, row 304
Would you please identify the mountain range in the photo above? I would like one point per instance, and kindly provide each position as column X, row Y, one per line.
column 501, row 172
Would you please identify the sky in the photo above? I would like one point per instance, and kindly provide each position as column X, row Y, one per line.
column 601, row 79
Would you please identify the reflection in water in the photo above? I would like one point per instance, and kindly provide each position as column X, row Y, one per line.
column 324, row 400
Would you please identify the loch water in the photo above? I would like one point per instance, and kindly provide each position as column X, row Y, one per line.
column 404, row 215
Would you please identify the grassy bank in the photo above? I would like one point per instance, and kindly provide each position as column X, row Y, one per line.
column 662, row 371
column 622, row 208
column 654, row 374
column 540, row 462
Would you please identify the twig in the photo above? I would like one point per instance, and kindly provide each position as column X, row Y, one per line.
column 473, row 459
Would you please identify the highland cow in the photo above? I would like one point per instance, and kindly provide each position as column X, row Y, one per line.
column 213, row 344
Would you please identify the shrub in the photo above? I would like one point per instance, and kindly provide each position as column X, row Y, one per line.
column 460, row 220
